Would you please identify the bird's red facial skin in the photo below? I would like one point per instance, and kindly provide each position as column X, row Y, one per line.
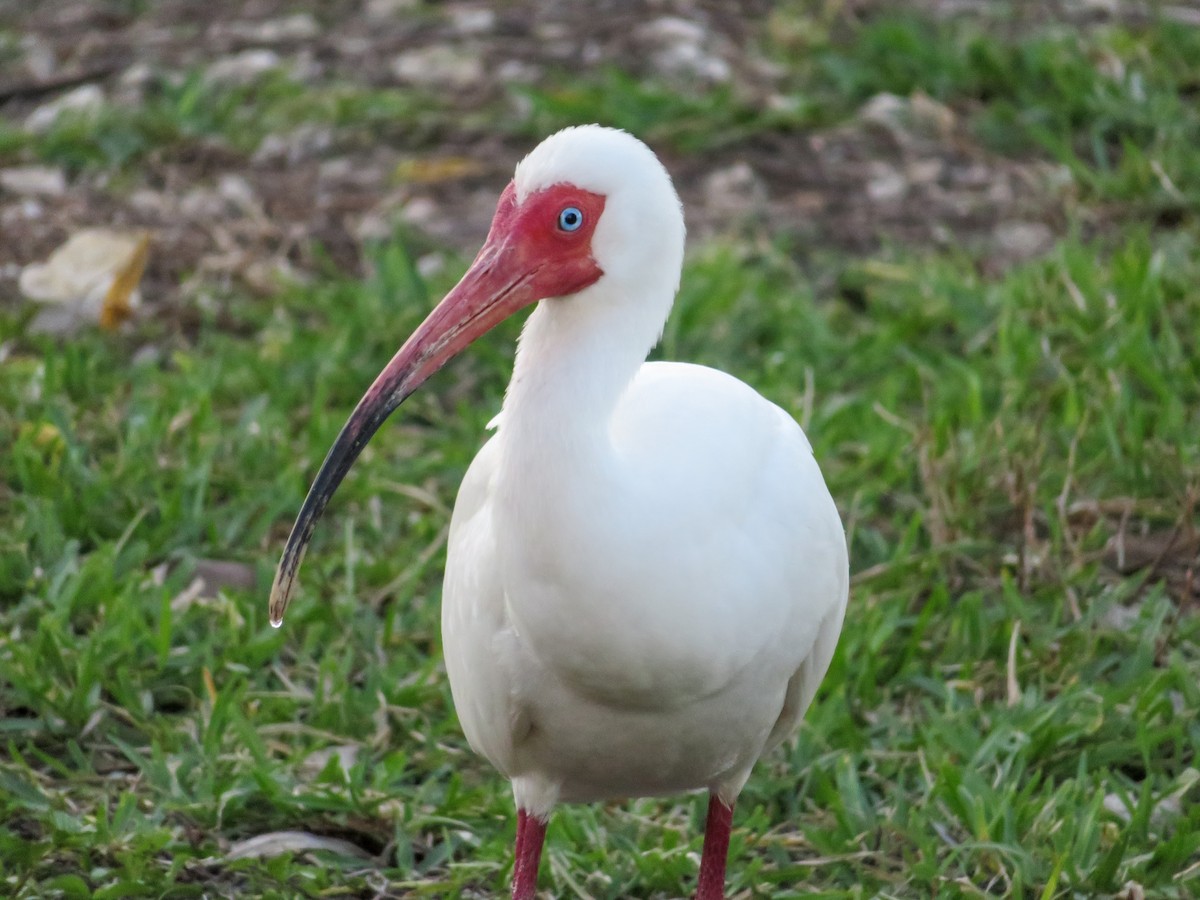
column 561, row 260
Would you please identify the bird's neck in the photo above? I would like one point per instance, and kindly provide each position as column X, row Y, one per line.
column 576, row 357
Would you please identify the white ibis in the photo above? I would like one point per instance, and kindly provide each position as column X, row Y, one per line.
column 646, row 574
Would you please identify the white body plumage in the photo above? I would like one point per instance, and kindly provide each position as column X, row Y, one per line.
column 646, row 575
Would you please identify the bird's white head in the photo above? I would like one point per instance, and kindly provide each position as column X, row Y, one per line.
column 639, row 229
column 591, row 221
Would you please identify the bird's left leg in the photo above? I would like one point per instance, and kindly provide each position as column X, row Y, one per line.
column 531, row 834
column 711, row 885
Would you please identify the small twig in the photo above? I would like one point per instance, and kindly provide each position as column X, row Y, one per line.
column 1073, row 604
column 1014, row 688
column 1119, row 539
column 1064, row 496
column 1184, row 527
column 43, row 86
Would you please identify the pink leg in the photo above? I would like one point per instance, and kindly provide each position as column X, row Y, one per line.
column 531, row 833
column 519, row 849
column 716, row 848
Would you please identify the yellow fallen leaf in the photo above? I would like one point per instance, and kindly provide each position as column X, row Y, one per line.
column 436, row 170
column 117, row 307
column 91, row 279
column 210, row 686
column 47, row 438
column 45, row 434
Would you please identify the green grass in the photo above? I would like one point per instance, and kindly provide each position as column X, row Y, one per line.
column 1115, row 104
column 177, row 112
column 969, row 425
column 687, row 121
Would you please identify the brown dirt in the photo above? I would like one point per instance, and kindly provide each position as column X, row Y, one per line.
column 907, row 173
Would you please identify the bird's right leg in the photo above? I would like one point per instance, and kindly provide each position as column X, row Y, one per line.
column 531, row 834
column 711, row 885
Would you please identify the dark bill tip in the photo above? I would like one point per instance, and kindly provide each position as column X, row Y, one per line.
column 370, row 413
column 497, row 285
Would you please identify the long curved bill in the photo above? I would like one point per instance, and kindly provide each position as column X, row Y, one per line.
column 498, row 284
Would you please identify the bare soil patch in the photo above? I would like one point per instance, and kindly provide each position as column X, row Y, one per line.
column 905, row 170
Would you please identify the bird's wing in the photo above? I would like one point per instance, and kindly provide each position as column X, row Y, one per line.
column 715, row 557
column 475, row 627
column 804, row 683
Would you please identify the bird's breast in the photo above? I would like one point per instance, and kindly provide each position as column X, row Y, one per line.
column 649, row 592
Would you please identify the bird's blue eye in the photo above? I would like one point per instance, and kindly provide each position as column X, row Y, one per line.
column 570, row 219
